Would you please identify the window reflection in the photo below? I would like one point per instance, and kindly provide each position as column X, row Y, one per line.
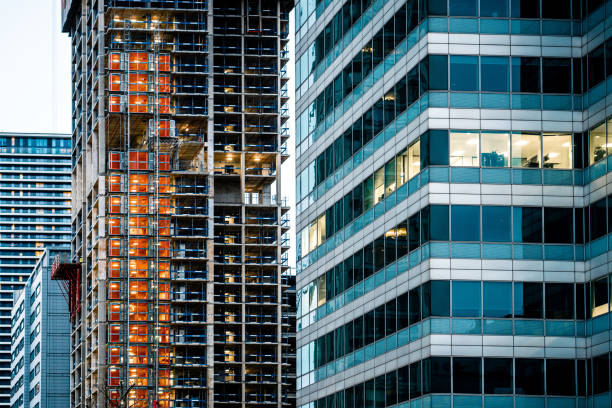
column 597, row 143
column 525, row 150
column 495, row 149
column 463, row 149
column 379, row 185
column 414, row 159
column 557, row 151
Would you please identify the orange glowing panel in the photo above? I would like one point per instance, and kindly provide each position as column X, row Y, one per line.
column 114, row 205
column 164, row 206
column 139, row 82
column 164, row 228
column 164, row 334
column 139, row 104
column 163, row 63
column 164, row 104
column 164, row 128
column 114, row 247
column 164, row 270
column 164, row 313
column 114, row 183
column 139, row 247
column 114, row 312
column 114, row 269
column 139, row 183
column 139, row 61
column 113, row 377
column 164, row 291
column 114, row 333
column 163, row 84
column 138, row 268
column 139, row 225
column 114, row 355
column 138, row 333
column 139, row 290
column 164, row 184
column 164, row 377
column 138, row 354
column 114, row 161
column 163, row 249
column 114, row 226
column 139, row 205
column 139, row 160
column 114, row 82
column 139, row 312
column 164, row 162
column 114, row 290
column 114, row 103
column 114, row 61
column 163, row 356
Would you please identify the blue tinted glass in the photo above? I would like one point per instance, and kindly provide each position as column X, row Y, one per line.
column 465, row 221
column 496, row 224
column 494, row 74
column 494, row 8
column 438, row 223
column 463, row 8
column 464, row 73
column 527, row 225
column 466, row 299
column 497, row 299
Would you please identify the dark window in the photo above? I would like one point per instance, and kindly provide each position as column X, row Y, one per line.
column 608, row 46
column 390, row 246
column 414, row 231
column 496, row 224
column 403, row 393
column 466, row 299
column 525, row 9
column 400, row 96
column 527, row 224
column 435, row 7
column 465, row 223
column 557, row 75
column 415, row 380
column 402, row 311
column 596, row 66
column 578, row 226
column 494, row 8
column 440, row 375
column 436, row 297
column 438, row 223
column 497, row 299
column 526, row 73
column 368, row 260
column 390, row 317
column 529, row 378
column 494, row 74
column 601, row 376
column 391, row 388
column 559, row 300
column 528, row 300
column 464, row 73
column 560, row 377
column 369, row 394
column 379, row 385
column 558, row 225
column 498, row 376
column 463, row 8
column 368, row 326
column 379, row 253
column 466, row 375
column 598, row 219
column 434, row 73
column 415, row 305
column 557, row 9
column 434, row 148
column 413, row 86
column 402, row 239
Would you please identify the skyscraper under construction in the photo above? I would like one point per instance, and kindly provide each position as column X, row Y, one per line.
column 178, row 281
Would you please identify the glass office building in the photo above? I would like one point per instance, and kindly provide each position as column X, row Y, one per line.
column 454, row 203
column 34, row 215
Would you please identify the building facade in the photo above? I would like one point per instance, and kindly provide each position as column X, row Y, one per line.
column 40, row 346
column 34, row 214
column 178, row 274
column 453, row 200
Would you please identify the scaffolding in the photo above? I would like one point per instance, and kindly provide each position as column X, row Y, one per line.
column 180, row 132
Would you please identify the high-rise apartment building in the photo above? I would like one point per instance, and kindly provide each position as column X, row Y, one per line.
column 454, row 207
column 178, row 275
column 40, row 342
column 34, row 214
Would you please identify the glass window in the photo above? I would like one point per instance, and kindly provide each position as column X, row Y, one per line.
column 414, row 159
column 465, row 225
column 466, row 299
column 494, row 8
column 463, row 8
column 601, row 376
column 599, row 293
column 495, row 149
column 434, row 148
column 438, row 223
column 528, row 300
column 497, row 299
column 494, row 73
column 440, row 295
column 526, row 73
column 526, row 150
column 379, row 185
column 439, row 378
column 390, row 177
column 401, row 173
column 529, row 378
column 414, row 297
column 560, row 377
column 557, row 151
column 464, row 73
column 496, row 224
column 557, row 75
column 596, row 66
column 527, row 224
column 558, row 225
column 435, row 70
column 597, row 143
column 463, row 149
column 403, row 394
column 415, row 380
column 466, row 375
column 414, row 231
column 498, row 376
column 557, row 9
column 559, row 300
column 598, row 219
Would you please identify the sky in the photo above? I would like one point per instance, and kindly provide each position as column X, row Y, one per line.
column 35, row 80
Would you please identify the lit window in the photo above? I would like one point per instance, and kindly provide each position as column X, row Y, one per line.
column 495, row 149
column 597, row 143
column 525, row 150
column 414, row 159
column 557, row 150
column 463, row 149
